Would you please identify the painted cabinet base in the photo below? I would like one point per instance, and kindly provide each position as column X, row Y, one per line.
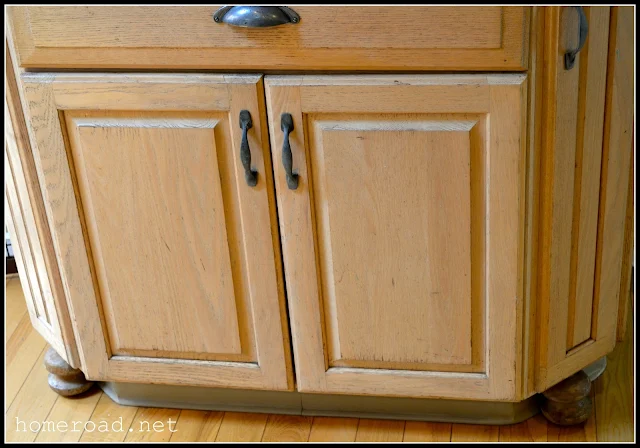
column 64, row 379
column 295, row 403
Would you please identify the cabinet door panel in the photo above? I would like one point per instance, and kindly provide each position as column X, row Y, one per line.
column 586, row 156
column 412, row 212
column 167, row 254
column 401, row 242
column 26, row 221
column 152, row 193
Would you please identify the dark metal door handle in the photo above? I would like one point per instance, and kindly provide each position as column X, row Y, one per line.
column 255, row 16
column 245, row 152
column 286, row 124
column 570, row 56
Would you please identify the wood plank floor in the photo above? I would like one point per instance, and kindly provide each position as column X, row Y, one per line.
column 29, row 401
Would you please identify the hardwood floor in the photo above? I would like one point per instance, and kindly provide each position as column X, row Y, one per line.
column 30, row 401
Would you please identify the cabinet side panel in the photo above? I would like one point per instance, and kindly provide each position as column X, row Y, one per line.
column 37, row 229
column 590, row 124
column 597, row 232
column 615, row 173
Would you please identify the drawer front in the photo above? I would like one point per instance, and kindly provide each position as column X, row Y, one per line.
column 166, row 249
column 401, row 236
column 329, row 38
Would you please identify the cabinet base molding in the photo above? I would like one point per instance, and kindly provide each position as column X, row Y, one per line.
column 296, row 403
column 64, row 379
column 594, row 370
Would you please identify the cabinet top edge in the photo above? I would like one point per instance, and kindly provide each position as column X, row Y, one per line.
column 164, row 78
column 412, row 80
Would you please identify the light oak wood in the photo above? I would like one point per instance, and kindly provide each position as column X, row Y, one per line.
column 576, row 310
column 22, row 349
column 31, row 406
column 14, row 310
column 237, row 427
column 153, row 425
column 532, row 430
column 118, row 418
column 557, row 186
column 474, row 433
column 531, row 204
column 70, row 411
column 348, row 290
column 371, row 430
column 287, row 428
column 197, row 426
column 333, row 429
column 171, row 219
column 614, row 391
column 110, row 150
column 369, row 277
column 46, row 301
column 626, row 281
column 326, row 38
column 427, row 432
column 617, row 155
column 590, row 122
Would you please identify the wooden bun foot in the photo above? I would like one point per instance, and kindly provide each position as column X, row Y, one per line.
column 64, row 379
column 568, row 402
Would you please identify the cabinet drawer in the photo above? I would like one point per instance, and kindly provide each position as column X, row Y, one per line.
column 325, row 38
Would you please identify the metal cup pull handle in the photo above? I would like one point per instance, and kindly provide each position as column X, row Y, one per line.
column 255, row 16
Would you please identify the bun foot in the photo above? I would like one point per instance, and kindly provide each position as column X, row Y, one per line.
column 568, row 402
column 64, row 379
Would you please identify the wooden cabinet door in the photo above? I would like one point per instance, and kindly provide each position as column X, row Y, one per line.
column 587, row 124
column 30, row 236
column 403, row 239
column 168, row 257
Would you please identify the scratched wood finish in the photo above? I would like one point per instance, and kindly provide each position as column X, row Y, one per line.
column 35, row 256
column 363, row 299
column 326, row 38
column 160, row 240
column 397, row 267
column 582, row 205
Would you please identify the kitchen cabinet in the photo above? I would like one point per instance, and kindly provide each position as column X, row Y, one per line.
column 437, row 219
column 401, row 237
column 166, row 251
